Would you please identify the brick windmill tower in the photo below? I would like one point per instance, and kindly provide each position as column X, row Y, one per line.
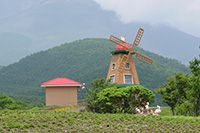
column 122, row 68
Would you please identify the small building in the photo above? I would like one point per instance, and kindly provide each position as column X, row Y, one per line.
column 61, row 92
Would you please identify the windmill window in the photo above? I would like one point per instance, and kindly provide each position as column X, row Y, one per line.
column 113, row 66
column 112, row 77
column 127, row 65
column 128, row 79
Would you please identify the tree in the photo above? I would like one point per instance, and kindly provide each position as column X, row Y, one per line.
column 194, row 93
column 97, row 86
column 182, row 92
column 174, row 91
column 5, row 100
column 17, row 105
column 195, row 66
column 8, row 103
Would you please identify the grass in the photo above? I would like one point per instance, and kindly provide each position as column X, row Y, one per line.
column 166, row 111
column 62, row 121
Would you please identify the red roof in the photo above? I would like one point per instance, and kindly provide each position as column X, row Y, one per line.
column 61, row 82
column 118, row 47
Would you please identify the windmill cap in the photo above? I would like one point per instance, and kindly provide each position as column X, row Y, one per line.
column 120, row 48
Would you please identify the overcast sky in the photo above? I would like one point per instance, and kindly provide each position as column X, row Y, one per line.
column 181, row 14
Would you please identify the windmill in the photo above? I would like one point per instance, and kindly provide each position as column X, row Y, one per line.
column 122, row 68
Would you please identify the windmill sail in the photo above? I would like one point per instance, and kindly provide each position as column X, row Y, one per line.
column 118, row 41
column 138, row 37
column 123, row 63
column 143, row 58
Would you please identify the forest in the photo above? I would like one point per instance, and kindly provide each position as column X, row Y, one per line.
column 83, row 61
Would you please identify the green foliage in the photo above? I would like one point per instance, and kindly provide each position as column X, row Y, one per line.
column 194, row 92
column 184, row 108
column 17, row 105
column 173, row 92
column 105, row 98
column 8, row 103
column 166, row 111
column 113, row 100
column 97, row 86
column 182, row 92
column 138, row 92
column 108, row 98
column 62, row 121
column 195, row 66
column 82, row 61
column 5, row 101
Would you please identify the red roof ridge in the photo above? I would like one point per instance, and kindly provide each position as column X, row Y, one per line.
column 61, row 81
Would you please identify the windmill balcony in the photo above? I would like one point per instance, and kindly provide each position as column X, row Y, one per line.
column 117, row 51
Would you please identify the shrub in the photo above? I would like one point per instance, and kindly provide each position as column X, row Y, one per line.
column 97, row 86
column 8, row 103
column 17, row 105
column 123, row 100
column 5, row 100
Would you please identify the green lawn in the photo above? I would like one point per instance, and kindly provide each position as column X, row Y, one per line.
column 166, row 111
column 61, row 121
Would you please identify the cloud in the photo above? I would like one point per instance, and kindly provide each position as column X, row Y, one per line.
column 182, row 14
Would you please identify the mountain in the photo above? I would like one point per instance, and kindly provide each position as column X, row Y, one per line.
column 43, row 24
column 13, row 46
column 82, row 61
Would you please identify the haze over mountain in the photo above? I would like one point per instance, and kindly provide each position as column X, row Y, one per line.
column 30, row 26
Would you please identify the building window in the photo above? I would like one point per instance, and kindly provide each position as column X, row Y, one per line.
column 127, row 66
column 113, row 66
column 128, row 79
column 112, row 77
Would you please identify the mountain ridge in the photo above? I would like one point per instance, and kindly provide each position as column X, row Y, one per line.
column 82, row 61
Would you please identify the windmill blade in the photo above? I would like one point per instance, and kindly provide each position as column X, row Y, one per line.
column 143, row 58
column 138, row 37
column 123, row 62
column 117, row 41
